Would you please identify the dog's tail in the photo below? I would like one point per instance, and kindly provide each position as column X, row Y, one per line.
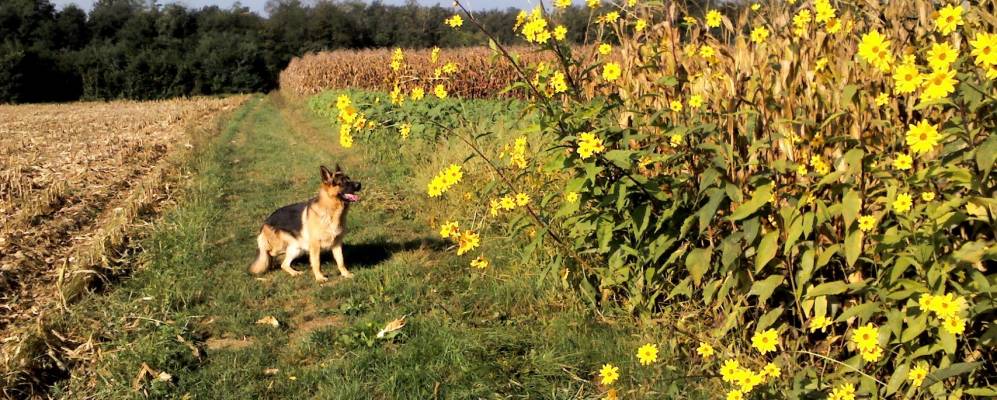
column 262, row 262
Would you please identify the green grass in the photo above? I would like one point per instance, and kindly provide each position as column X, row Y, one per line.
column 493, row 334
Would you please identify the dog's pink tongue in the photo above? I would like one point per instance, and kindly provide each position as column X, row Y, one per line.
column 351, row 197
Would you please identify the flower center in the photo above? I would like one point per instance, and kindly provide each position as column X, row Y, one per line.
column 924, row 136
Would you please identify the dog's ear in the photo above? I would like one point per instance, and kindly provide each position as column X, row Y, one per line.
column 339, row 171
column 326, row 174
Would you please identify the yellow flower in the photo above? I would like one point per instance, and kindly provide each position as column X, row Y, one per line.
column 675, row 140
column 589, row 144
column 689, row 20
column 824, row 10
column 903, row 203
column 866, row 337
column 867, row 222
column 949, row 18
column 507, row 202
column 396, row 59
column 522, row 199
column 609, row 374
column 882, row 99
column 927, row 196
column 903, row 162
column 771, row 370
column 873, row 354
column 557, row 82
column 947, row 305
column 759, row 34
column 605, row 49
column 450, row 68
column 729, row 369
column 941, row 55
column 925, row 302
column 611, row 71
column 345, row 137
column 675, row 105
column 449, row 229
column 713, row 18
column 640, row 25
column 765, row 341
column 748, row 379
column 440, row 91
column 560, row 32
column 611, row 394
column 833, row 26
column 562, row 3
column 479, row 263
column 695, row 101
column 707, row 52
column 845, row 391
column 705, row 350
column 455, row 21
column 647, row 354
column 954, row 325
column 434, row 56
column 756, row 7
column 493, row 207
column 820, row 64
column 906, row 78
column 571, row 197
column 802, row 19
column 468, row 241
column 405, row 130
column 735, row 395
column 917, row 374
column 417, row 94
column 593, row 3
column 343, row 102
column 875, row 49
column 819, row 323
column 611, row 16
column 938, row 85
column 984, row 49
column 922, row 137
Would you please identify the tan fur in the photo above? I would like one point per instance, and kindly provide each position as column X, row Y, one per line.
column 323, row 225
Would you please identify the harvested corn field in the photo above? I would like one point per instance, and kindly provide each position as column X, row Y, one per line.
column 479, row 73
column 74, row 178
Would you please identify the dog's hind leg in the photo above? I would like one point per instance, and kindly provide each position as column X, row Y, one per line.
column 337, row 253
column 292, row 252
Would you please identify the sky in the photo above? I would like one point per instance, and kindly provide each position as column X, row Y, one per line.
column 257, row 5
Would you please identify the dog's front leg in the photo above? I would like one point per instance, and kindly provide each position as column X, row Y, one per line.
column 337, row 252
column 315, row 257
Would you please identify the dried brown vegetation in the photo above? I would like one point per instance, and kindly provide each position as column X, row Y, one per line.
column 74, row 180
column 480, row 74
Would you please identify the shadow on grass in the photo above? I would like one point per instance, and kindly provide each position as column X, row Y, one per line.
column 370, row 254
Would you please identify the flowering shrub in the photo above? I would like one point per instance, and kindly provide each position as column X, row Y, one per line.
column 817, row 174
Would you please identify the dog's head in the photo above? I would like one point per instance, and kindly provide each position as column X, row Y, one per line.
column 336, row 184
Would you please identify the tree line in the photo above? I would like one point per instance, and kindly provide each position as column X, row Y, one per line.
column 138, row 49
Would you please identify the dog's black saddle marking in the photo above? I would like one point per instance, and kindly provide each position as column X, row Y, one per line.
column 288, row 218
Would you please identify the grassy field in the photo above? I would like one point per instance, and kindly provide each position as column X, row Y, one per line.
column 190, row 311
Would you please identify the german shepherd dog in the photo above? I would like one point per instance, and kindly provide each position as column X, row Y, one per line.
column 310, row 226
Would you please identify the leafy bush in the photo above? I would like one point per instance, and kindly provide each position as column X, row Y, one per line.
column 815, row 177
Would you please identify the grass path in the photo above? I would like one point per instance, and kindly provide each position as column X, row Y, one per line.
column 191, row 309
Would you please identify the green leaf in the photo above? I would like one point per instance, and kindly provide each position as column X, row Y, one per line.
column 768, row 319
column 848, row 95
column 829, row 288
column 766, row 250
column 950, row 371
column 758, row 199
column 863, row 311
column 764, row 288
column 698, row 262
column 850, row 206
column 897, row 379
column 982, row 391
column 621, row 158
column 710, row 209
column 853, row 246
column 986, row 154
